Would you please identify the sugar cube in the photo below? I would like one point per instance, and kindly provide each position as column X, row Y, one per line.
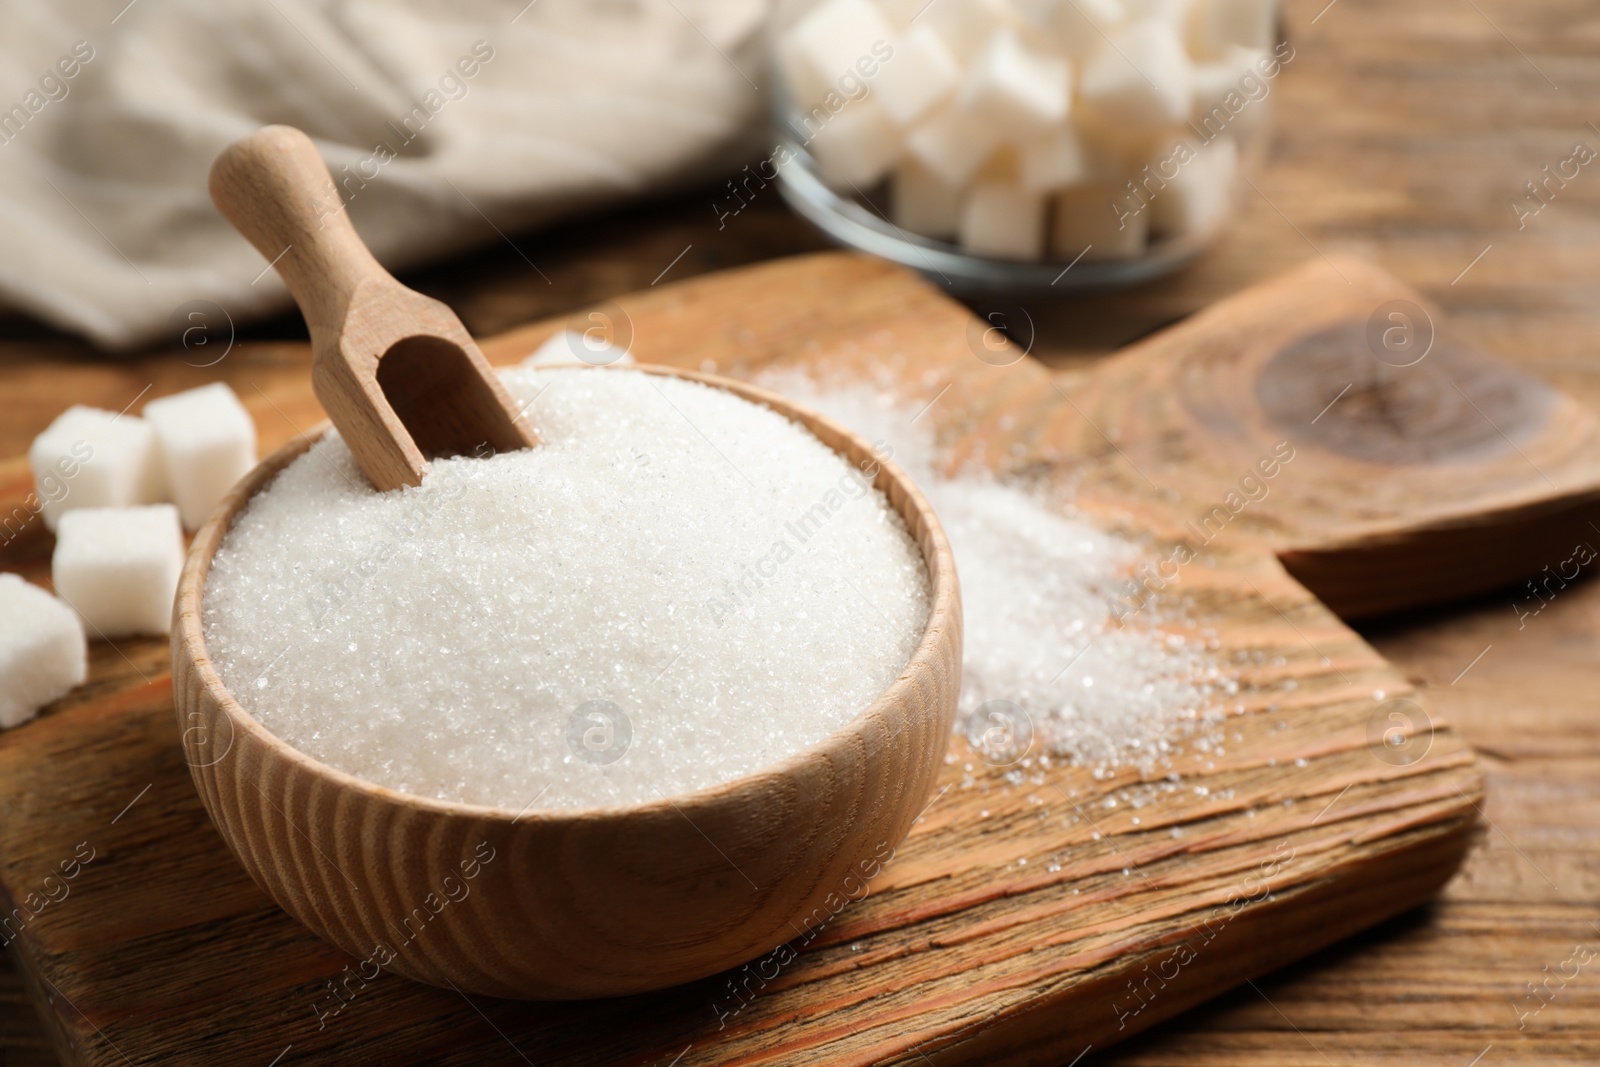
column 857, row 146
column 831, row 38
column 1003, row 220
column 1037, row 13
column 1199, row 196
column 1141, row 78
column 1054, row 159
column 921, row 73
column 1175, row 12
column 1230, row 93
column 572, row 348
column 920, row 202
column 806, row 88
column 1014, row 88
column 953, row 144
column 42, row 650
column 118, row 567
column 1080, row 26
column 991, row 113
column 207, row 442
column 1096, row 221
column 901, row 13
column 1216, row 24
column 88, row 458
column 966, row 24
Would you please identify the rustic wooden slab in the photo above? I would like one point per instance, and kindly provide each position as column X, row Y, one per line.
column 1024, row 920
column 1426, row 470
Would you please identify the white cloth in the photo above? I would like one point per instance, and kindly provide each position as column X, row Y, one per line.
column 105, row 222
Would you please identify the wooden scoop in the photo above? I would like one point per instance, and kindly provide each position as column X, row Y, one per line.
column 395, row 370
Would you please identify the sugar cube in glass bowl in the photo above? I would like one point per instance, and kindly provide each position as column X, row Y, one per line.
column 1021, row 144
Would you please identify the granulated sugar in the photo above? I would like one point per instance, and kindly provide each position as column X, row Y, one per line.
column 644, row 604
column 1047, row 671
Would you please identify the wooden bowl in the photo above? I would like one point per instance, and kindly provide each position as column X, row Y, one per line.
column 557, row 904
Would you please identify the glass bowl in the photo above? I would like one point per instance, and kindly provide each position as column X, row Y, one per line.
column 866, row 228
column 860, row 217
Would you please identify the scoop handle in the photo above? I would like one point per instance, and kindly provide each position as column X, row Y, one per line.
column 275, row 189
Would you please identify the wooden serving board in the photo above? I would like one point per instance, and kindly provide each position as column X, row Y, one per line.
column 1023, row 921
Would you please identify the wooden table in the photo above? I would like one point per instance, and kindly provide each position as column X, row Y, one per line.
column 1402, row 133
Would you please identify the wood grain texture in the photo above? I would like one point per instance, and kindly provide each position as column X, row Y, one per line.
column 20, row 1037
column 1025, row 917
column 579, row 903
column 1425, row 472
column 395, row 370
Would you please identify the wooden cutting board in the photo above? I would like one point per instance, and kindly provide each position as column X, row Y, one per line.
column 1023, row 921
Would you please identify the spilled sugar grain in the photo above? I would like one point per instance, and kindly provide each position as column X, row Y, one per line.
column 1047, row 670
column 579, row 624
